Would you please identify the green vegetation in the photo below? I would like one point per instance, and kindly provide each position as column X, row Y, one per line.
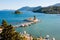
column 4, row 23
column 17, row 12
column 8, row 32
column 49, row 10
column 34, row 38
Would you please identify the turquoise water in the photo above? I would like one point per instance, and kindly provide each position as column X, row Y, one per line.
column 49, row 24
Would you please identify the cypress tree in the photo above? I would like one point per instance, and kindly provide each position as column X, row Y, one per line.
column 4, row 23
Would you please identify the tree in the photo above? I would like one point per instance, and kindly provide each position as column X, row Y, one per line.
column 4, row 23
column 34, row 38
column 9, row 33
column 34, row 17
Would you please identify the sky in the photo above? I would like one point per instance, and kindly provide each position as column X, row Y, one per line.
column 16, row 4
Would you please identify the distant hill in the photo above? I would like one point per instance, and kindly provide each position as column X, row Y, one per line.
column 54, row 9
column 29, row 8
column 58, row 4
column 7, row 11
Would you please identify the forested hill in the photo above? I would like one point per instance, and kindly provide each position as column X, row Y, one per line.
column 54, row 9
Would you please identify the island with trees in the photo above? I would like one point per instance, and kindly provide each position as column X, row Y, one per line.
column 18, row 12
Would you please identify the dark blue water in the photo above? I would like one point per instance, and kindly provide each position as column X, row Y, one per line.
column 50, row 23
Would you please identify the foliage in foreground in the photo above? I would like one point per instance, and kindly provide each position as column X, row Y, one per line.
column 8, row 32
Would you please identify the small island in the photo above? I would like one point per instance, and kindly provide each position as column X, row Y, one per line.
column 18, row 12
column 32, row 19
column 29, row 22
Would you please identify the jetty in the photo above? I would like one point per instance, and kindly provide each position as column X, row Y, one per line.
column 28, row 22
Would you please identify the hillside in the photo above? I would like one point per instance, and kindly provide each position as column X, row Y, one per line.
column 29, row 8
column 54, row 9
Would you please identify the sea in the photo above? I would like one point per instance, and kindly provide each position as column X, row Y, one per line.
column 49, row 24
